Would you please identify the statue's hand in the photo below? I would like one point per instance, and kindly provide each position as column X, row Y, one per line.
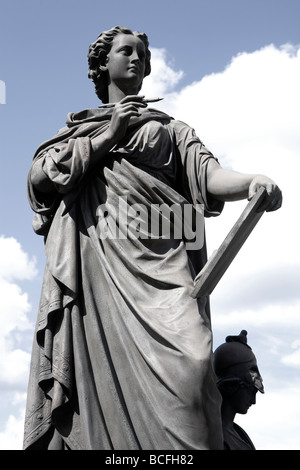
column 273, row 198
column 123, row 110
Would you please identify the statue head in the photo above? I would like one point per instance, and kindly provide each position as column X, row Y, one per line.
column 236, row 366
column 97, row 56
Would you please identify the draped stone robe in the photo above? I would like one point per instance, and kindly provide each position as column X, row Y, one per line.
column 122, row 354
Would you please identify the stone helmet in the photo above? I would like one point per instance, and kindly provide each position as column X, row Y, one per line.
column 235, row 363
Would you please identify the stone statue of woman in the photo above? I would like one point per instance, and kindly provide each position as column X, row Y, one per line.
column 122, row 354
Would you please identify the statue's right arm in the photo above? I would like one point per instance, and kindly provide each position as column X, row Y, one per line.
column 60, row 159
column 62, row 154
column 100, row 145
column 123, row 110
column 39, row 179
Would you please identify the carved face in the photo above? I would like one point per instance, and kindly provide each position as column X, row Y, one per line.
column 125, row 63
column 243, row 398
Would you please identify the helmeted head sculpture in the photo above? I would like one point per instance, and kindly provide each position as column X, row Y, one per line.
column 236, row 366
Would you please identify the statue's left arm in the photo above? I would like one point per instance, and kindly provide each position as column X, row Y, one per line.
column 229, row 185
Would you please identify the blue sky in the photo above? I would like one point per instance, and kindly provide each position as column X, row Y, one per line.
column 228, row 68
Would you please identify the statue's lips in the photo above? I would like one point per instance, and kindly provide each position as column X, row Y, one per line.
column 133, row 69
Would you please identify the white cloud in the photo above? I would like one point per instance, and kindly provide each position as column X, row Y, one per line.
column 293, row 359
column 15, row 265
column 162, row 78
column 276, row 315
column 252, row 101
column 11, row 437
column 14, row 262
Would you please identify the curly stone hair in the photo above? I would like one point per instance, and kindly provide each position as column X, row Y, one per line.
column 97, row 55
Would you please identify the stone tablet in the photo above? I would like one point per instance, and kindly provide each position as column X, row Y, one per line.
column 217, row 264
